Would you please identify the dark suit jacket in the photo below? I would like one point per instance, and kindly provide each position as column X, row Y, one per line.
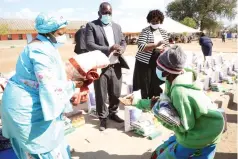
column 96, row 39
column 80, row 46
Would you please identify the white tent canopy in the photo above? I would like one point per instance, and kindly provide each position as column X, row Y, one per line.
column 170, row 25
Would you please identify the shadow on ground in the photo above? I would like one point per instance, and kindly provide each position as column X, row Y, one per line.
column 147, row 155
column 105, row 155
column 220, row 155
column 110, row 124
column 233, row 106
column 231, row 118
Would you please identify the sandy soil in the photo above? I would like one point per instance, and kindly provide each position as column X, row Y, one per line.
column 90, row 144
column 8, row 56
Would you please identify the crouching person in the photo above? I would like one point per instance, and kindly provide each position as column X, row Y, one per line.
column 201, row 124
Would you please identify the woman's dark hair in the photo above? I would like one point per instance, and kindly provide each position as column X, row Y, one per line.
column 155, row 13
column 202, row 34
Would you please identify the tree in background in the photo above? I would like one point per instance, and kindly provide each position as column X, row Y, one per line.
column 204, row 12
column 3, row 29
column 233, row 29
column 189, row 22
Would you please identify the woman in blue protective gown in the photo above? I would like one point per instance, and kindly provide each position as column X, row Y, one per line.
column 37, row 95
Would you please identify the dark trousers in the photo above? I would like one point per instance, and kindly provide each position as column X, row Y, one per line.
column 109, row 84
column 80, row 51
column 146, row 80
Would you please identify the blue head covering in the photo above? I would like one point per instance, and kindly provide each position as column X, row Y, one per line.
column 46, row 24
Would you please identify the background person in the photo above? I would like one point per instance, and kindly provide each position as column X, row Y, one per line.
column 80, row 45
column 206, row 44
column 105, row 35
column 152, row 41
column 37, row 95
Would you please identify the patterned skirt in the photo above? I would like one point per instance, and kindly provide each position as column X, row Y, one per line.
column 61, row 152
column 170, row 149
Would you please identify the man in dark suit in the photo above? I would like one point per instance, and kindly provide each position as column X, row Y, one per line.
column 80, row 46
column 104, row 35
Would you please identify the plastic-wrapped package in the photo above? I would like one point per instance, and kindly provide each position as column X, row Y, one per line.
column 83, row 68
column 207, row 83
column 189, row 60
column 84, row 65
column 235, row 65
column 165, row 111
column 132, row 114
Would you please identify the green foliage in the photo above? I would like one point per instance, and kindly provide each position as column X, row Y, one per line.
column 204, row 12
column 3, row 29
column 189, row 22
column 185, row 33
column 233, row 29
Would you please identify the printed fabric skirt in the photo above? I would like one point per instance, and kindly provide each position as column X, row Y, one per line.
column 170, row 149
column 61, row 152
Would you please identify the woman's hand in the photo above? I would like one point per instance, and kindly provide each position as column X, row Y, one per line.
column 153, row 100
column 160, row 43
column 78, row 84
column 75, row 100
column 80, row 96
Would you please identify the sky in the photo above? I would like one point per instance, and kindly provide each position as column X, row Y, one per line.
column 124, row 11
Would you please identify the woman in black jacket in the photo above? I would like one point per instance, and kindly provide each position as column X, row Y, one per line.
column 152, row 41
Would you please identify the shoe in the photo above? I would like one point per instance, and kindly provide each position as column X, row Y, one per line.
column 116, row 118
column 103, row 125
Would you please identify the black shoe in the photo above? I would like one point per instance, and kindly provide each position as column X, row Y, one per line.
column 116, row 118
column 103, row 125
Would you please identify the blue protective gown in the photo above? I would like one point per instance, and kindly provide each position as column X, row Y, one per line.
column 35, row 98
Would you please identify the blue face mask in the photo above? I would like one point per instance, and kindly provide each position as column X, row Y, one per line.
column 106, row 19
column 159, row 75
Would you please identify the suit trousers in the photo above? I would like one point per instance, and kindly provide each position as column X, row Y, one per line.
column 109, row 83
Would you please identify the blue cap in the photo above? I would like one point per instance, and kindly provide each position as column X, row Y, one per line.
column 46, row 24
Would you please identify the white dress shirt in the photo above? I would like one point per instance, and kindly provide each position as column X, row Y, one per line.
column 110, row 38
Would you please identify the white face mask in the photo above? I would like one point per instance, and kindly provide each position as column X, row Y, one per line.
column 61, row 40
column 156, row 26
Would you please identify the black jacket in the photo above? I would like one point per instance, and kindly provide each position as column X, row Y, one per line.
column 80, row 46
column 96, row 39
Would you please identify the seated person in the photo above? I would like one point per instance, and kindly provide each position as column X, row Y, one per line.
column 201, row 125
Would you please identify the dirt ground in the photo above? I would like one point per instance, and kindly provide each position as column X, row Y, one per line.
column 90, row 144
column 8, row 56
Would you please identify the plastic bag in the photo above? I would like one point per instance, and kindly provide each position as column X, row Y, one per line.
column 84, row 65
column 165, row 111
column 132, row 114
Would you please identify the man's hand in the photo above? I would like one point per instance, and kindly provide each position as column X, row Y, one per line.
column 115, row 48
column 118, row 52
